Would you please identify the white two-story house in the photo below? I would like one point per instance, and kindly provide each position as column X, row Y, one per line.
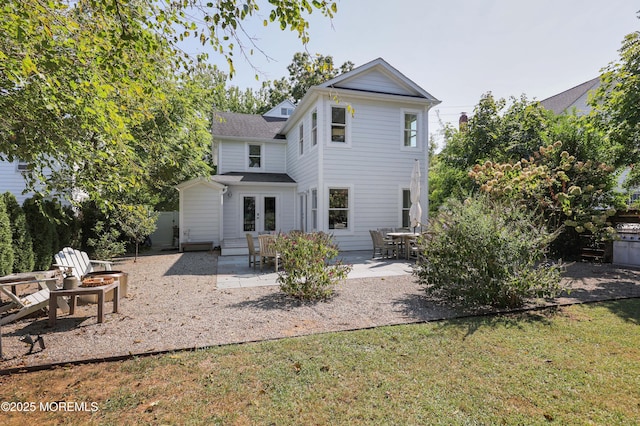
column 339, row 162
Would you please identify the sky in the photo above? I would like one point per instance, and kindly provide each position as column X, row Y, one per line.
column 457, row 50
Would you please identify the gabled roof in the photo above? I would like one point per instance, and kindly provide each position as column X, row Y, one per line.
column 379, row 68
column 200, row 181
column 231, row 124
column 563, row 101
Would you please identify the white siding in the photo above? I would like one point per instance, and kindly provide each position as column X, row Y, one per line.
column 11, row 180
column 233, row 207
column 377, row 168
column 234, row 157
column 200, row 214
column 375, row 81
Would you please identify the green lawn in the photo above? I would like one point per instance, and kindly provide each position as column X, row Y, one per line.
column 575, row 365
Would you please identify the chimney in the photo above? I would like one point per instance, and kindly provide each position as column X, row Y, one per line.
column 462, row 122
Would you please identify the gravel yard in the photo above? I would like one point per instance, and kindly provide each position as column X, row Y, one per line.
column 173, row 303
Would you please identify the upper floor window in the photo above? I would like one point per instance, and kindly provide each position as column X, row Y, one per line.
column 314, row 127
column 286, row 111
column 301, row 139
column 255, row 156
column 410, row 130
column 338, row 124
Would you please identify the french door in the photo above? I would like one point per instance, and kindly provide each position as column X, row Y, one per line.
column 259, row 214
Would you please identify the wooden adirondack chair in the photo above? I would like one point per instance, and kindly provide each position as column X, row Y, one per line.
column 78, row 261
column 25, row 305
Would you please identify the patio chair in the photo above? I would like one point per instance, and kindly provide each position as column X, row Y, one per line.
column 21, row 306
column 381, row 245
column 253, row 253
column 268, row 251
column 78, row 261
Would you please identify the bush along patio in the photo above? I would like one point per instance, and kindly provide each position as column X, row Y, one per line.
column 485, row 253
column 309, row 269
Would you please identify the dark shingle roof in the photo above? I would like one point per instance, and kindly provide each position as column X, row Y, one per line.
column 250, row 177
column 562, row 101
column 232, row 124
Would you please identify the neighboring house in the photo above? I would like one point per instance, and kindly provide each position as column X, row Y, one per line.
column 339, row 162
column 12, row 179
column 573, row 99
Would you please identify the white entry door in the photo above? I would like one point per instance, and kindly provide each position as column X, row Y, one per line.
column 259, row 214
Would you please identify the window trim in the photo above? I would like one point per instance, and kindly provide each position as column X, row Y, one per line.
column 350, row 209
column 248, row 156
column 314, row 127
column 301, row 139
column 347, row 127
column 403, row 113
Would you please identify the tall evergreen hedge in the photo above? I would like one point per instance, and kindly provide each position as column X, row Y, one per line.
column 22, row 246
column 43, row 233
column 6, row 243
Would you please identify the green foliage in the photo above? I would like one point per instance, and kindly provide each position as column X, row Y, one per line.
column 304, row 71
column 569, row 192
column 136, row 222
column 308, row 271
column 485, row 253
column 83, row 80
column 505, row 133
column 23, row 260
column 6, row 241
column 107, row 244
column 43, row 233
column 615, row 105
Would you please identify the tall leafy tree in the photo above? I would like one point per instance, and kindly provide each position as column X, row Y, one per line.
column 615, row 105
column 305, row 71
column 78, row 77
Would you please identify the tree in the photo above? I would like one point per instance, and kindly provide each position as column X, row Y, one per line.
column 506, row 133
column 21, row 237
column 6, row 243
column 304, row 71
column 78, row 77
column 615, row 105
column 43, row 232
column 137, row 222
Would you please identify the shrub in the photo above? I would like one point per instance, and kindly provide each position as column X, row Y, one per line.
column 107, row 244
column 22, row 246
column 43, row 233
column 487, row 253
column 6, row 243
column 308, row 272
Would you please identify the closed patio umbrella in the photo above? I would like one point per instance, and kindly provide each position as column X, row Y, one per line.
column 415, row 212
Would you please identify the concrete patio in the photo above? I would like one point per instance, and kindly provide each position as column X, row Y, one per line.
column 234, row 271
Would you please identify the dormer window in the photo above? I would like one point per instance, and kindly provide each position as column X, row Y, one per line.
column 286, row 111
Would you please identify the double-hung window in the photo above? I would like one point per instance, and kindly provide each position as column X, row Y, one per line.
column 255, row 156
column 338, row 208
column 338, row 124
column 314, row 128
column 410, row 131
column 301, row 139
column 314, row 209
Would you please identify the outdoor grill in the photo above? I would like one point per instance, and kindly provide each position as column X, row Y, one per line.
column 626, row 250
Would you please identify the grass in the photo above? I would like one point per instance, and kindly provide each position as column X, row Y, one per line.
column 574, row 365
